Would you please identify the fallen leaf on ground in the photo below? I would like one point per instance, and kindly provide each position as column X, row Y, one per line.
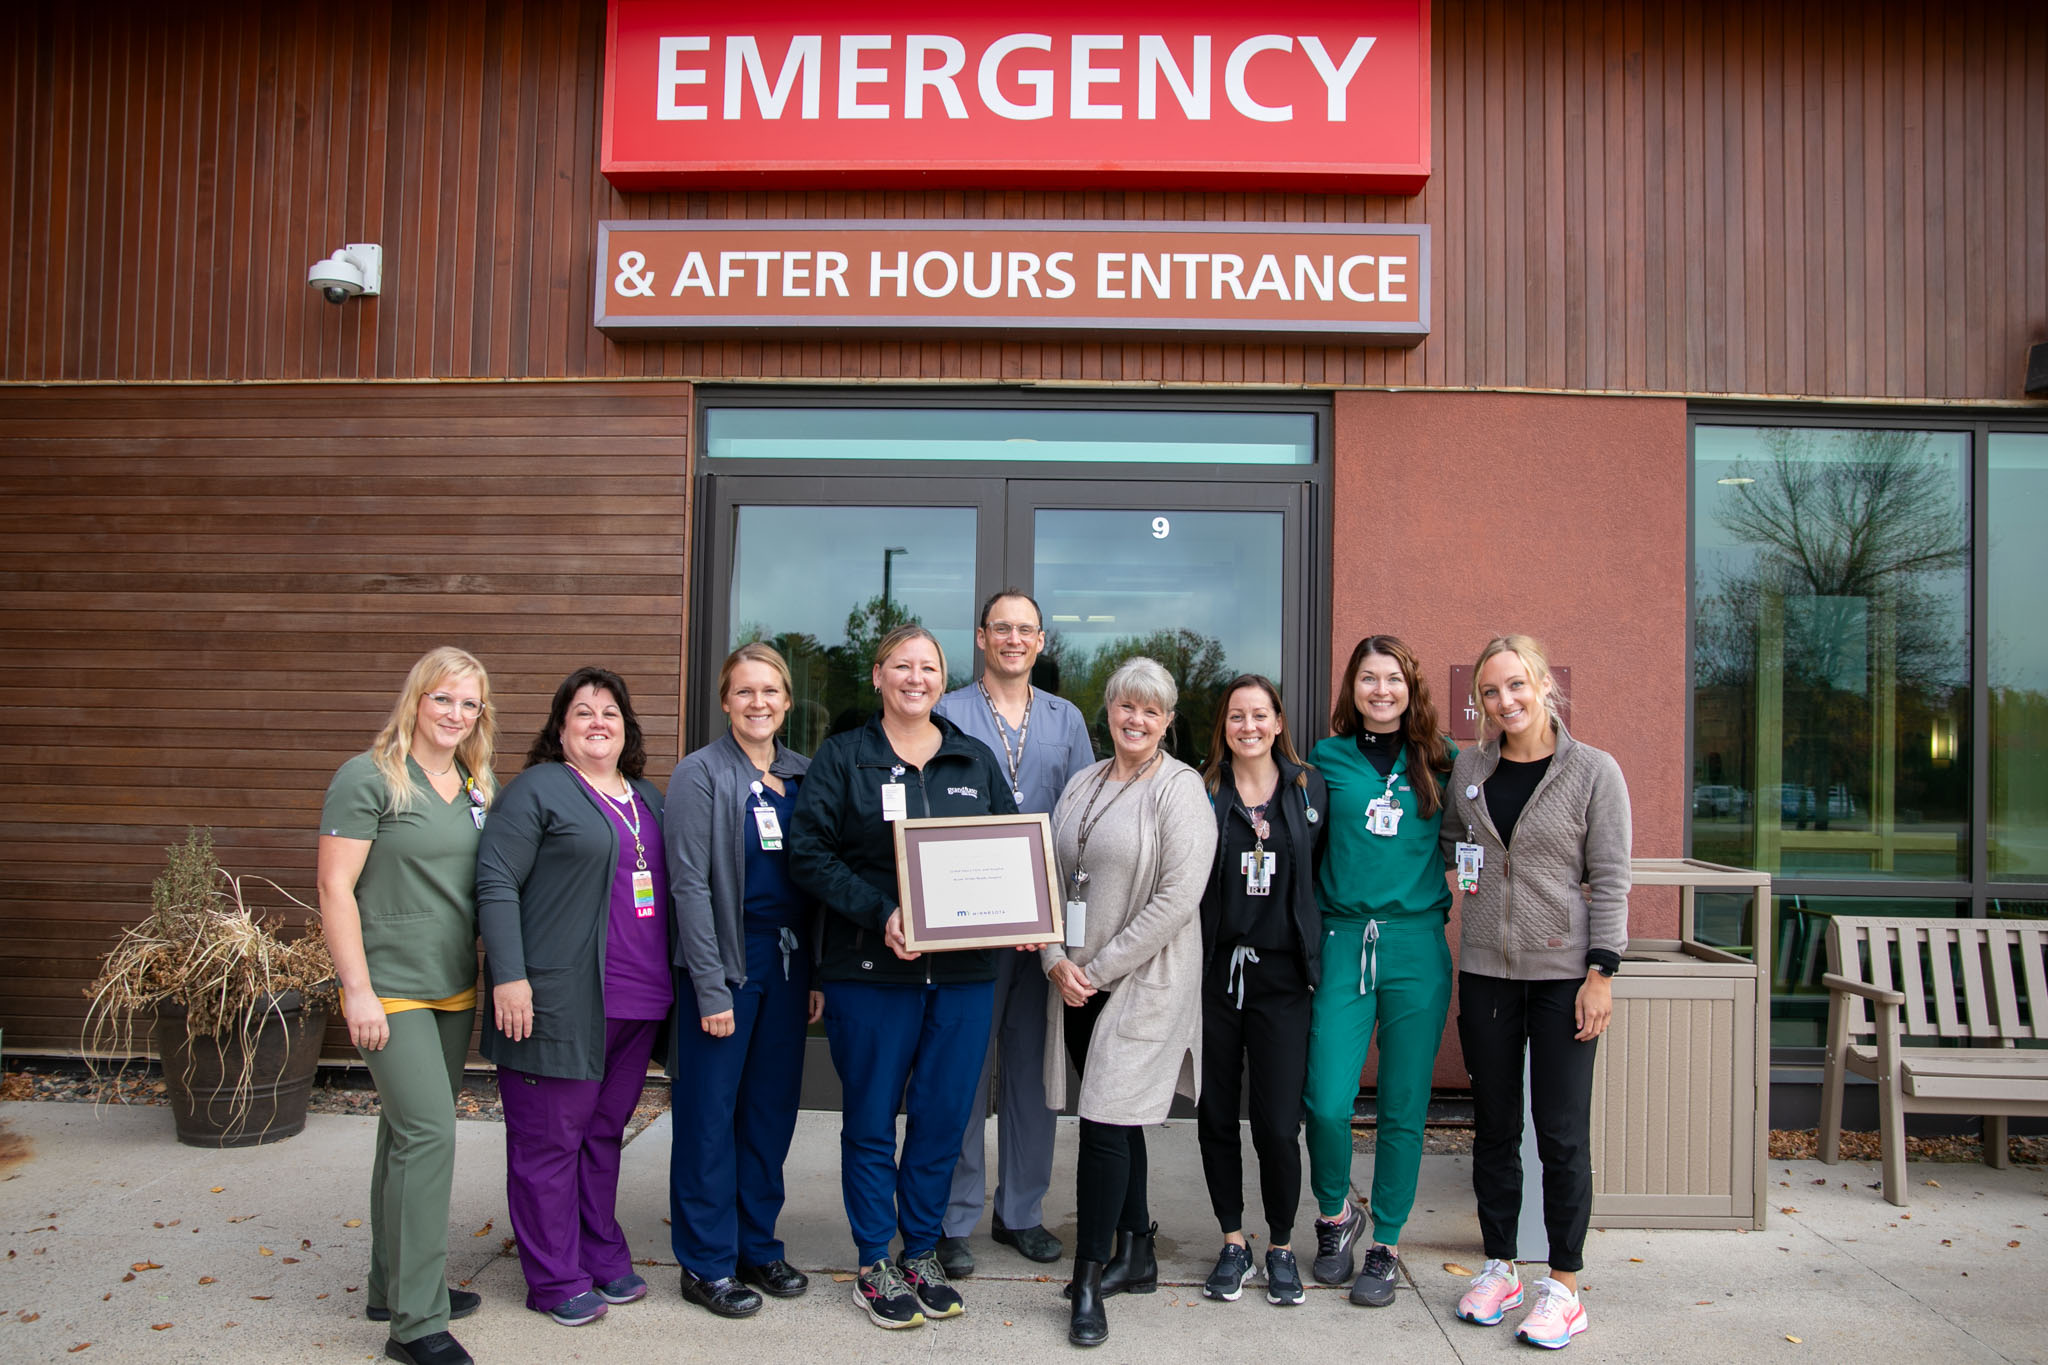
column 2012, row 1244
column 1794, row 1340
column 319, row 1296
column 145, row 1265
column 1455, row 1269
column 107, row 1297
column 160, row 1327
column 291, row 1260
column 129, row 1276
column 305, row 1244
column 261, row 1298
column 1788, row 1209
column 206, row 1279
column 154, row 1225
column 1935, row 1183
column 1822, row 1181
column 1703, row 1303
column 265, row 1251
column 1635, row 1260
column 243, row 1219
column 350, row 1288
column 841, row 1279
column 79, row 1347
column 218, row 1189
column 26, row 1316
column 353, row 1223
column 485, row 1230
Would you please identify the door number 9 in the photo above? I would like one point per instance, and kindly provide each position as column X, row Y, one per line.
column 1161, row 528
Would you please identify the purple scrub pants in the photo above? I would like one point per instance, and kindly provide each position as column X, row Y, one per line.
column 563, row 1140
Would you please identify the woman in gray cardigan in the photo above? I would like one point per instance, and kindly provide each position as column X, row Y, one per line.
column 743, row 993
column 1537, row 834
column 1135, row 836
column 572, row 898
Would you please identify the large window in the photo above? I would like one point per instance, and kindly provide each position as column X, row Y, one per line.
column 1870, row 679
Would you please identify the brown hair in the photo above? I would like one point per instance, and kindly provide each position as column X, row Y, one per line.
column 1422, row 733
column 1219, row 743
column 902, row 636
column 547, row 745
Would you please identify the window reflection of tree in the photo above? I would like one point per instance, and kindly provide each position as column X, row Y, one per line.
column 1838, row 630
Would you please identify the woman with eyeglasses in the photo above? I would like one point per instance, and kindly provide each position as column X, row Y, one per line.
column 397, row 878
column 572, row 896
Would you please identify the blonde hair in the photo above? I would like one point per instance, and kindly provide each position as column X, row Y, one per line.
column 393, row 744
column 1533, row 658
column 902, row 636
column 756, row 652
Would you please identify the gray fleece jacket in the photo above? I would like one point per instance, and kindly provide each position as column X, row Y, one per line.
column 705, row 834
column 1562, row 889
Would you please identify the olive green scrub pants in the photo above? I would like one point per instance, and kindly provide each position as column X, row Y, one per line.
column 418, row 1074
column 1394, row 974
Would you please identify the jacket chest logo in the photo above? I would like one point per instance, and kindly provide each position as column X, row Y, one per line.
column 968, row 792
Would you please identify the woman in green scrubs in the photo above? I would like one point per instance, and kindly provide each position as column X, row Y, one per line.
column 397, row 877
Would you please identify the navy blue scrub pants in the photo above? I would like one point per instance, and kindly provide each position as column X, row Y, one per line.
column 725, row 1187
column 920, row 1048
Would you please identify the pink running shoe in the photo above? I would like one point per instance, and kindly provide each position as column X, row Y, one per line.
column 1557, row 1317
column 1493, row 1293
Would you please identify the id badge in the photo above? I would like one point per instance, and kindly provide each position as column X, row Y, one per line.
column 1077, row 924
column 643, row 894
column 1258, row 872
column 476, row 816
column 895, row 801
column 1471, row 857
column 1383, row 817
column 769, row 827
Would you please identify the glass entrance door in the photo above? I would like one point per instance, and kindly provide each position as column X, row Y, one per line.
column 1196, row 575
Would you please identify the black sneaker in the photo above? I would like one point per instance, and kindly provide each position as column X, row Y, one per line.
column 1283, row 1278
column 1375, row 1285
column 881, row 1290
column 927, row 1279
column 1333, row 1246
column 1233, row 1268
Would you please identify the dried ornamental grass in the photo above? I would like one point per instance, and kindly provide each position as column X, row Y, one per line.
column 205, row 948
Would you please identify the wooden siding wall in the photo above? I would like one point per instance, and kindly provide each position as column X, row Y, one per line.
column 205, row 605
column 1830, row 198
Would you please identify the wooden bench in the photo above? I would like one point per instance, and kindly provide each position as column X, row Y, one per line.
column 1970, row 995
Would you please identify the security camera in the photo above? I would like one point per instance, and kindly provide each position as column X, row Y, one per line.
column 357, row 268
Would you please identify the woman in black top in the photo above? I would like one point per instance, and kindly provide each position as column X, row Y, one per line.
column 1261, row 940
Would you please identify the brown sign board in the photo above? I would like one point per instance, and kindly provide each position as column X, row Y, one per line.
column 1334, row 281
column 1463, row 714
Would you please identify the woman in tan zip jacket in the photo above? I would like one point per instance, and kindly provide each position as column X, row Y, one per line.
column 1537, row 834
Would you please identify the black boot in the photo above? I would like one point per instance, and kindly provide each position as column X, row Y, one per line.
column 1134, row 1269
column 1087, row 1325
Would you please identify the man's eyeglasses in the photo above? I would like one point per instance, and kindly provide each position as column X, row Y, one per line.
column 1003, row 630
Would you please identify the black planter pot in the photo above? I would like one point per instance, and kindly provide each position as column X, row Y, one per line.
column 202, row 1075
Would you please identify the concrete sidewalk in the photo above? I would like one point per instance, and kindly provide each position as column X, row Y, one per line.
column 250, row 1256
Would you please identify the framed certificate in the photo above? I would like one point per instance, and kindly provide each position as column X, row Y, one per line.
column 978, row 881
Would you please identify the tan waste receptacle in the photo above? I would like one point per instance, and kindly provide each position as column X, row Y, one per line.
column 1680, row 1090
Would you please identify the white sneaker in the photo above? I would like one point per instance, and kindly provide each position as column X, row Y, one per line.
column 1557, row 1317
column 1495, row 1290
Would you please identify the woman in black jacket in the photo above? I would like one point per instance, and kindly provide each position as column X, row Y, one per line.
column 1261, row 936
column 572, row 898
column 906, row 1029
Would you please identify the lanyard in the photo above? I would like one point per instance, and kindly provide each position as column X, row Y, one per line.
column 1087, row 826
column 1016, row 757
column 629, row 812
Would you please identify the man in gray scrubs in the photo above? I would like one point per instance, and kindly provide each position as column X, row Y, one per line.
column 1040, row 741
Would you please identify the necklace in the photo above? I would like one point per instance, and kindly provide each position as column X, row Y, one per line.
column 431, row 772
column 629, row 813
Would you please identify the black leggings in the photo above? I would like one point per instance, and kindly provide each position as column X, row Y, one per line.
column 1496, row 1019
column 1110, row 1172
column 1271, row 1034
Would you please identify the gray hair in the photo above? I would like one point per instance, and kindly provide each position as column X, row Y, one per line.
column 1142, row 680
